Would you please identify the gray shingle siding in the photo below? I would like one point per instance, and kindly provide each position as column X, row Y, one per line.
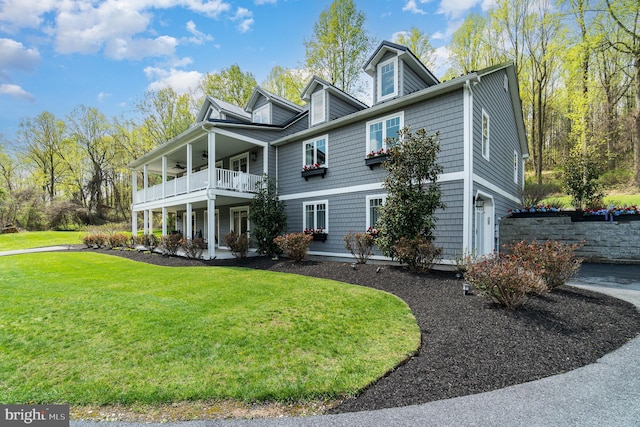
column 339, row 108
column 448, row 232
column 411, row 82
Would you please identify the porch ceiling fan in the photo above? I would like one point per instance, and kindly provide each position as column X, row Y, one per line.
column 179, row 166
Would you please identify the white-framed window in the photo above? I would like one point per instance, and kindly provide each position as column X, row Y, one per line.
column 387, row 72
column 240, row 163
column 379, row 130
column 239, row 220
column 262, row 114
column 374, row 203
column 315, row 216
column 485, row 135
column 516, row 168
column 318, row 107
column 314, row 152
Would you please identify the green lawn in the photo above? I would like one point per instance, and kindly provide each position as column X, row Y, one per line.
column 619, row 200
column 38, row 239
column 86, row 328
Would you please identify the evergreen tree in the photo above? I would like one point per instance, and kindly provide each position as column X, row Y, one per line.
column 268, row 217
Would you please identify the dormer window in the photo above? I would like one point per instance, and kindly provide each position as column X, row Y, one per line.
column 388, row 79
column 262, row 114
column 317, row 107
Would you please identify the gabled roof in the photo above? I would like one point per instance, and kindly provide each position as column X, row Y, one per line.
column 315, row 81
column 273, row 98
column 406, row 55
column 222, row 106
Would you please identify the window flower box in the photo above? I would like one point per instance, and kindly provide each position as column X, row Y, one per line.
column 313, row 170
column 319, row 234
column 376, row 157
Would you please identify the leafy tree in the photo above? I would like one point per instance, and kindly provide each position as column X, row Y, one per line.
column 339, row 45
column 164, row 115
column 286, row 83
column 230, row 85
column 420, row 45
column 413, row 190
column 581, row 172
column 268, row 216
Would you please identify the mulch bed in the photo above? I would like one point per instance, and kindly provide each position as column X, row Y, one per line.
column 469, row 345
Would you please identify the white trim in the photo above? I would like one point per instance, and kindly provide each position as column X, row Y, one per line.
column 259, row 111
column 240, row 137
column 313, row 107
column 238, row 209
column 490, row 186
column 489, row 231
column 396, row 79
column 382, row 120
column 467, row 208
column 315, row 203
column 239, row 156
column 315, row 150
column 486, row 156
column 447, row 177
column 368, row 207
column 219, row 164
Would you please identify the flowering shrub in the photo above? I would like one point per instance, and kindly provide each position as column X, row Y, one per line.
column 238, row 244
column 504, row 278
column 295, row 245
column 193, row 248
column 380, row 152
column 311, row 167
column 314, row 231
column 418, row 253
column 171, row 244
column 537, row 208
column 360, row 245
column 555, row 262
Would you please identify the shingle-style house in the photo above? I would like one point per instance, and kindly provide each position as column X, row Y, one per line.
column 321, row 157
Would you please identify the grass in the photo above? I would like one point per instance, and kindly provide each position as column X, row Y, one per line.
column 38, row 239
column 615, row 199
column 86, row 328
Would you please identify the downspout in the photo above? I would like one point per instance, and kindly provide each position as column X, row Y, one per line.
column 467, row 203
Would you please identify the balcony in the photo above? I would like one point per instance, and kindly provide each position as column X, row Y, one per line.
column 225, row 180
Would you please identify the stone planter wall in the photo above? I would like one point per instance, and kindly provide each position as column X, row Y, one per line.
column 608, row 242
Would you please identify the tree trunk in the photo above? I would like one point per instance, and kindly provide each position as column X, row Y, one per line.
column 636, row 143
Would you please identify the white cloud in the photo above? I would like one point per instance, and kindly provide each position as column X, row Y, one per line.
column 396, row 36
column 438, row 35
column 261, row 2
column 140, row 48
column 245, row 16
column 178, row 80
column 412, row 6
column 15, row 56
column 456, row 8
column 102, row 96
column 15, row 14
column 198, row 37
column 15, row 91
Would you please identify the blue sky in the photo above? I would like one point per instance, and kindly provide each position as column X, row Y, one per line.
column 58, row 54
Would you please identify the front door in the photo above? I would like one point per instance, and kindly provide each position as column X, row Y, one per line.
column 239, row 220
column 484, row 244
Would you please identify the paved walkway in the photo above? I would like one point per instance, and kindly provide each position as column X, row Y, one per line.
column 605, row 393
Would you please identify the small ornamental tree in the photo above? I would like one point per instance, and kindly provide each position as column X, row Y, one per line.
column 581, row 172
column 413, row 190
column 268, row 217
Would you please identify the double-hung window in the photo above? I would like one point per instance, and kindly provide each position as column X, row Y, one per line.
column 379, row 130
column 314, row 153
column 387, row 79
column 316, row 216
column 374, row 203
column 262, row 114
column 485, row 135
column 318, row 107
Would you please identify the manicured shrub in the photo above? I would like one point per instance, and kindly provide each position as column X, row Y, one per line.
column 193, row 248
column 554, row 261
column 505, row 279
column 95, row 240
column 238, row 244
column 295, row 245
column 268, row 217
column 117, row 240
column 360, row 245
column 150, row 241
column 418, row 253
column 171, row 244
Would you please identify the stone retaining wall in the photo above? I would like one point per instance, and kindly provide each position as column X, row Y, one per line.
column 608, row 242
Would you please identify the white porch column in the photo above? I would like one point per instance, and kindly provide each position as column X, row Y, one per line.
column 189, row 166
column 189, row 225
column 150, row 222
column 211, row 231
column 134, row 223
column 134, row 186
column 164, row 221
column 164, row 174
column 211, row 160
column 265, row 162
column 146, row 181
column 145, row 225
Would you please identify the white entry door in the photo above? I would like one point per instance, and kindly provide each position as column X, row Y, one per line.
column 484, row 214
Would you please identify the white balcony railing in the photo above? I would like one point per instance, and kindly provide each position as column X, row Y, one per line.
column 225, row 180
